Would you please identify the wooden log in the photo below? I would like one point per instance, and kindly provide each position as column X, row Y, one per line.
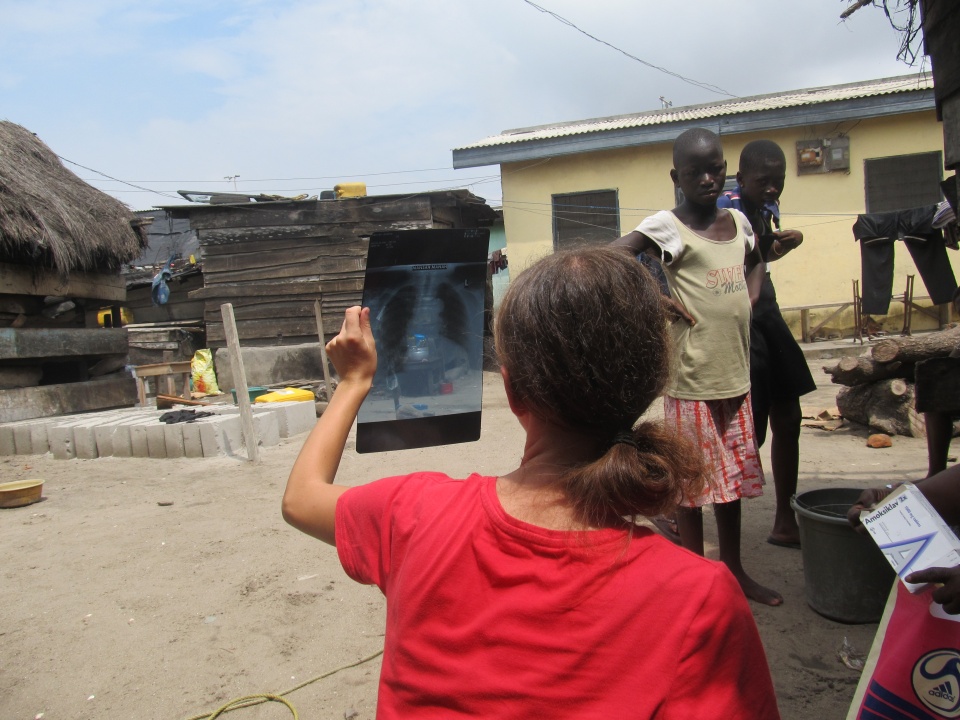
column 938, row 385
column 917, row 347
column 41, row 343
column 884, row 406
column 860, row 370
column 49, row 400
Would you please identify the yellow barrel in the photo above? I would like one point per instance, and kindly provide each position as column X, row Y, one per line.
column 350, row 189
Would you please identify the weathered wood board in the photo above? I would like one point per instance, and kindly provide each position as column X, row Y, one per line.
column 50, row 400
column 21, row 280
column 42, row 343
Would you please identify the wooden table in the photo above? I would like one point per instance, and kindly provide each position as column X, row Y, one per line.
column 162, row 370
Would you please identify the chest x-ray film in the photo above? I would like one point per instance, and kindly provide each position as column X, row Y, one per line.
column 425, row 291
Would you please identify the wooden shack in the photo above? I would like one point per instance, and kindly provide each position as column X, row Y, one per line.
column 62, row 244
column 171, row 331
column 272, row 260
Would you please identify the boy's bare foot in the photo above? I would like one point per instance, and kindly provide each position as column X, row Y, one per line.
column 787, row 541
column 755, row 591
column 786, row 532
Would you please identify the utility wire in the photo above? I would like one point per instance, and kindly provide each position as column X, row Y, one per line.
column 690, row 81
column 322, row 177
column 138, row 187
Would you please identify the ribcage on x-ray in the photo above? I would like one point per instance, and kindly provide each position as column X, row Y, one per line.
column 425, row 306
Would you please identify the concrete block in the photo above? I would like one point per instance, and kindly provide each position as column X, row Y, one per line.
column 173, row 439
column 293, row 418
column 211, row 439
column 156, row 440
column 138, row 441
column 301, row 418
column 39, row 443
column 103, row 436
column 22, row 438
column 192, row 443
column 231, row 434
column 85, row 433
column 116, row 440
column 7, row 445
column 267, row 428
column 60, row 437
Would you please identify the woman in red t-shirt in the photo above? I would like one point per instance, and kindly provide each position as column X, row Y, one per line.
column 536, row 593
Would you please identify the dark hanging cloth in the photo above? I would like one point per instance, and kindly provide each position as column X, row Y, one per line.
column 928, row 250
column 876, row 232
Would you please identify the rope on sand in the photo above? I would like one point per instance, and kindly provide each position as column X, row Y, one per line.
column 251, row 700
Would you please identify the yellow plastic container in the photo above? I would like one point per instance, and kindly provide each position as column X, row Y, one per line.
column 286, row 395
column 126, row 315
column 350, row 189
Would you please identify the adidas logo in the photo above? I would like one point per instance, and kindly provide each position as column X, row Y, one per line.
column 942, row 691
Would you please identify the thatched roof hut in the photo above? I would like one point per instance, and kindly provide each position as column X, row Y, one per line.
column 50, row 218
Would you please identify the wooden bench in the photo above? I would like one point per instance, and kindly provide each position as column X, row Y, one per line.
column 162, row 370
column 806, row 331
column 939, row 313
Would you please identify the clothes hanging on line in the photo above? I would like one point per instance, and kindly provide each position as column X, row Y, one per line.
column 877, row 233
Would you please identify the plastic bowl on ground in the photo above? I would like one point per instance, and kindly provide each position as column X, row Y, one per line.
column 20, row 493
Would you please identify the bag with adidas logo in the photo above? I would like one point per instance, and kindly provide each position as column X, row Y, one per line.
column 913, row 670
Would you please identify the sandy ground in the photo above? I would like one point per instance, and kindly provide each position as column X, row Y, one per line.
column 112, row 605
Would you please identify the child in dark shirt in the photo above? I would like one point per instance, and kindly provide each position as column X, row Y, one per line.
column 778, row 370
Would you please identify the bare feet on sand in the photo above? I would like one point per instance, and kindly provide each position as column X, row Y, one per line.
column 755, row 591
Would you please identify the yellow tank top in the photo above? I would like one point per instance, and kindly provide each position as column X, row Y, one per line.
column 712, row 358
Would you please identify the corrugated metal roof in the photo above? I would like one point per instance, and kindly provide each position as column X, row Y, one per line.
column 738, row 106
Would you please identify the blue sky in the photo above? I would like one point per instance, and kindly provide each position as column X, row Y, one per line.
column 296, row 96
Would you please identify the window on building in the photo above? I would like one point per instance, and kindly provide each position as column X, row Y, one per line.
column 903, row 181
column 585, row 218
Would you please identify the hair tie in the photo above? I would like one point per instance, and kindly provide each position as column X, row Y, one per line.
column 626, row 438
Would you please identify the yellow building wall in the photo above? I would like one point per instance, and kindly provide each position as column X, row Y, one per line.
column 823, row 206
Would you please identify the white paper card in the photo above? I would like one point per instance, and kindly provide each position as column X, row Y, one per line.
column 911, row 534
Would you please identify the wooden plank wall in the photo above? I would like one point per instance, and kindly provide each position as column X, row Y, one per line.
column 179, row 308
column 272, row 261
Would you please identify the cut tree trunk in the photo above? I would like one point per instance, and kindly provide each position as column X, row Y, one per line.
column 862, row 370
column 915, row 348
column 884, row 406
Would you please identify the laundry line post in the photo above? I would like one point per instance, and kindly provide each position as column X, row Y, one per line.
column 240, row 382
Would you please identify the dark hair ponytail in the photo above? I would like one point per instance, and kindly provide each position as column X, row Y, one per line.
column 644, row 473
column 583, row 335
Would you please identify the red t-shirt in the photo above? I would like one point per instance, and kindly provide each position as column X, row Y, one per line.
column 491, row 617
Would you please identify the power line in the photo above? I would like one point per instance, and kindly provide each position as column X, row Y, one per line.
column 690, row 81
column 158, row 192
column 291, row 179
